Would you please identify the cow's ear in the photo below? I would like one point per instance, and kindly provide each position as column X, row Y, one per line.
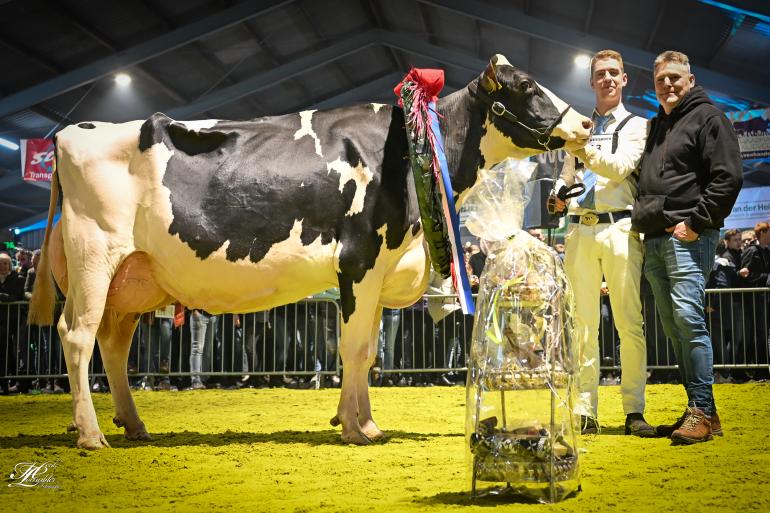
column 489, row 80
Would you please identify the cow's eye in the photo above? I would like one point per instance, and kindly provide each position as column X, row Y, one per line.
column 525, row 86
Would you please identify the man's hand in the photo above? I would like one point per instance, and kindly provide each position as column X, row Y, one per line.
column 585, row 154
column 744, row 272
column 682, row 232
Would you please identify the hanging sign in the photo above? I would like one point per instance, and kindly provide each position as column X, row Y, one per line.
column 38, row 160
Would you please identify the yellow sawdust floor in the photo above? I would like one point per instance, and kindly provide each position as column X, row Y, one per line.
column 273, row 450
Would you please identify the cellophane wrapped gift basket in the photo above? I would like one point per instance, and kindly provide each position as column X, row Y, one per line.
column 521, row 430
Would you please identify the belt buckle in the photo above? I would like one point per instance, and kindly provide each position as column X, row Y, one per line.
column 589, row 219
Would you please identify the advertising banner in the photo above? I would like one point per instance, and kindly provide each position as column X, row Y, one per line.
column 753, row 130
column 751, row 207
column 37, row 160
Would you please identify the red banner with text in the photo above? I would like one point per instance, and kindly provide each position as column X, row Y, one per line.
column 38, row 160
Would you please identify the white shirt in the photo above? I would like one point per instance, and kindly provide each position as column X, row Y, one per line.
column 616, row 186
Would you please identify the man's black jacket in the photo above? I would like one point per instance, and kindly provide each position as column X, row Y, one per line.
column 690, row 170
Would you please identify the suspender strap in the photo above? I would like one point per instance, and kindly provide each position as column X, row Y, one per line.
column 617, row 130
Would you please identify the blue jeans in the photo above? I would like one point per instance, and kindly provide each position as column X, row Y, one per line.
column 202, row 331
column 677, row 272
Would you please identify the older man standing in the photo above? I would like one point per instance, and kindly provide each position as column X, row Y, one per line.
column 690, row 177
column 601, row 245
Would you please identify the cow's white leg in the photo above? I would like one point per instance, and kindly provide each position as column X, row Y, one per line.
column 365, row 420
column 77, row 329
column 114, row 338
column 357, row 356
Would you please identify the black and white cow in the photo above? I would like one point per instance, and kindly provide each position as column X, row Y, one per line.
column 238, row 216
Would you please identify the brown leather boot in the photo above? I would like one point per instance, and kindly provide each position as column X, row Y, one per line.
column 695, row 428
column 716, row 426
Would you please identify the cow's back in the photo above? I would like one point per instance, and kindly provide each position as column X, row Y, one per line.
column 246, row 215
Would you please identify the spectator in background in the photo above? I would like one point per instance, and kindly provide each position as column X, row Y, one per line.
column 11, row 290
column 46, row 339
column 447, row 315
column 755, row 260
column 386, row 347
column 726, row 309
column 747, row 238
column 479, row 258
column 203, row 327
column 23, row 261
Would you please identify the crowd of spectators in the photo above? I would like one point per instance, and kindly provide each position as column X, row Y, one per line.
column 423, row 345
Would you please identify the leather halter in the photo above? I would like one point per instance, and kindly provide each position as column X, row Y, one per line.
column 541, row 135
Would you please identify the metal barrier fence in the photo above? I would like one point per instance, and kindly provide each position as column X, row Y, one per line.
column 300, row 341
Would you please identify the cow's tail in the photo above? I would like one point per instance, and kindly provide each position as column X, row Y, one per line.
column 41, row 305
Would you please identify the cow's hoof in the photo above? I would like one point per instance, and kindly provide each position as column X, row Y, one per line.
column 141, row 436
column 356, row 438
column 92, row 443
column 119, row 423
column 71, row 427
column 335, row 421
column 373, row 433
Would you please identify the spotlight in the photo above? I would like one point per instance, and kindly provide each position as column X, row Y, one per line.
column 5, row 143
column 582, row 61
column 122, row 79
column 16, row 231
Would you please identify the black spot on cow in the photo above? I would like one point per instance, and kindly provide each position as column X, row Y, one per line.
column 194, row 142
column 87, row 126
column 248, row 183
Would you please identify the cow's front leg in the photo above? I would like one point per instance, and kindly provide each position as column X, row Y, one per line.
column 365, row 420
column 357, row 354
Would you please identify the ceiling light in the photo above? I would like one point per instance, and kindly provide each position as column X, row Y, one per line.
column 122, row 79
column 5, row 143
column 582, row 61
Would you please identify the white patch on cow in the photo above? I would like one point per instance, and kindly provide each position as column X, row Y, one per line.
column 302, row 184
column 306, row 128
column 406, row 276
column 359, row 174
column 557, row 102
column 571, row 128
column 501, row 60
column 377, row 107
column 496, row 146
column 198, row 124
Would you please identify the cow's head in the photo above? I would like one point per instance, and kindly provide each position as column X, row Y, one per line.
column 524, row 118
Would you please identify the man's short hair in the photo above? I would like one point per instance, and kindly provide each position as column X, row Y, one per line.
column 672, row 56
column 606, row 54
column 760, row 227
column 732, row 232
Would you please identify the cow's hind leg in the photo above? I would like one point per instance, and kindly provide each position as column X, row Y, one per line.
column 77, row 329
column 356, row 351
column 114, row 338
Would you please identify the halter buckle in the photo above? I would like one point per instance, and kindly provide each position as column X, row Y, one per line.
column 498, row 109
